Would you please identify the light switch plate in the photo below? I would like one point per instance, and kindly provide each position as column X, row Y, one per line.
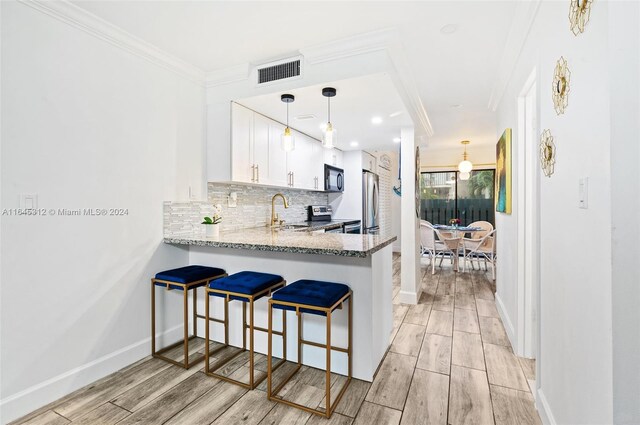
column 233, row 200
column 28, row 201
column 583, row 193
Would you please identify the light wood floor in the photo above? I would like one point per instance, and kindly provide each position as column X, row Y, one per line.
column 450, row 363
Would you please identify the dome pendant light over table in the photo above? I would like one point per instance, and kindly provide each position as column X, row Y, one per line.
column 288, row 141
column 329, row 139
column 465, row 166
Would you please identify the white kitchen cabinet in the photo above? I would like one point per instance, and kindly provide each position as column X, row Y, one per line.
column 277, row 157
column 299, row 163
column 260, row 146
column 242, row 166
column 369, row 162
column 333, row 157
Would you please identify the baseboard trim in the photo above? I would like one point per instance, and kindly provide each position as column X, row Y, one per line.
column 546, row 416
column 408, row 297
column 508, row 324
column 36, row 396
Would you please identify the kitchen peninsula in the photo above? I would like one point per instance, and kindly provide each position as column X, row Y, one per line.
column 363, row 262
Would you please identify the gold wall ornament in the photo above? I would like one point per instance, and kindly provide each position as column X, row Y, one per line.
column 547, row 153
column 579, row 13
column 560, row 86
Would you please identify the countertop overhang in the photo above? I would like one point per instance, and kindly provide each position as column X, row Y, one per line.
column 297, row 242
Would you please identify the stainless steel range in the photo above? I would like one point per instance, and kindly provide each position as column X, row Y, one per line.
column 323, row 213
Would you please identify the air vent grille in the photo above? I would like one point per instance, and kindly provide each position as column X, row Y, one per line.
column 279, row 72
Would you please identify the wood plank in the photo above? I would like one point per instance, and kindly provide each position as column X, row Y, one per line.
column 336, row 419
column 435, row 354
column 408, row 340
column 107, row 414
column 465, row 321
column 427, row 400
column 249, row 410
column 482, row 290
column 447, row 287
column 143, row 393
column 94, row 395
column 440, row 322
column 467, row 350
column 528, row 367
column 210, row 406
column 46, row 418
column 306, row 395
column 173, row 401
column 443, row 303
column 465, row 301
column 503, row 368
column 392, row 382
column 464, row 284
column 469, row 397
column 371, row 413
column 418, row 314
column 352, row 398
column 493, row 332
column 487, row 308
column 279, row 374
column 513, row 407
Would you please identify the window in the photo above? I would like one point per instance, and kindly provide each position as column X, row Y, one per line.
column 444, row 196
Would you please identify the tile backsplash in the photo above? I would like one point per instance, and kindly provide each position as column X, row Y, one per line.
column 253, row 208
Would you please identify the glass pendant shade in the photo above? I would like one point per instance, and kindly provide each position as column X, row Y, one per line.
column 465, row 176
column 465, row 166
column 329, row 137
column 288, row 140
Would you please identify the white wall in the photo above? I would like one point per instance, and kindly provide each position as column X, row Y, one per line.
column 85, row 125
column 575, row 358
column 624, row 52
column 440, row 159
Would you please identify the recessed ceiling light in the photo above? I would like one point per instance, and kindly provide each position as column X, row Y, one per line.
column 449, row 29
column 354, row 144
column 305, row 117
column 396, row 140
column 376, row 120
column 395, row 114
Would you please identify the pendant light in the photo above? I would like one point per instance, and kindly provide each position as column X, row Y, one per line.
column 288, row 141
column 330, row 138
column 465, row 165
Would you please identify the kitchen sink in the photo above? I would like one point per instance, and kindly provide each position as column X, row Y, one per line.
column 294, row 227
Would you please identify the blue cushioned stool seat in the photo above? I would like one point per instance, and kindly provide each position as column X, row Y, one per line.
column 244, row 282
column 188, row 274
column 310, row 292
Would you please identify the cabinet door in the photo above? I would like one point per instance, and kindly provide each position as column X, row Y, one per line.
column 317, row 166
column 369, row 162
column 299, row 162
column 277, row 157
column 260, row 145
column 241, row 141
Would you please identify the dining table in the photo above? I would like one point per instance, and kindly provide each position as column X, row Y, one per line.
column 453, row 243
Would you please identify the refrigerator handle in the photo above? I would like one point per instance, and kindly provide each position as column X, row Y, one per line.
column 375, row 199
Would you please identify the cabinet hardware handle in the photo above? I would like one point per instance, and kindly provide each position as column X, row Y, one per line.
column 257, row 173
column 292, row 179
column 253, row 173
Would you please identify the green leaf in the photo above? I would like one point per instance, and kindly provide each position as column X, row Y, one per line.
column 207, row 220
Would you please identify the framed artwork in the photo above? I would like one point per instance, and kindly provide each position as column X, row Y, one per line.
column 503, row 173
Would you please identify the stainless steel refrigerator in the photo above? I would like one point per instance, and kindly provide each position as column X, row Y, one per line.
column 370, row 198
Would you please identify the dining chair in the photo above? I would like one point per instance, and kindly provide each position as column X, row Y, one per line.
column 429, row 246
column 484, row 248
column 479, row 234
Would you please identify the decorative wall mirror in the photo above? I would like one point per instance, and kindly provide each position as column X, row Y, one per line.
column 547, row 153
column 560, row 86
column 579, row 13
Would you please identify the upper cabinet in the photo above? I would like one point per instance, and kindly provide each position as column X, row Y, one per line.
column 257, row 156
column 369, row 162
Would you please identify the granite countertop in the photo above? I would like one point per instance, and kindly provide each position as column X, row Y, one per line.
column 301, row 242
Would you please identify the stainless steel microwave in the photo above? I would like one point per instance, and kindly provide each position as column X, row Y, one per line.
column 333, row 179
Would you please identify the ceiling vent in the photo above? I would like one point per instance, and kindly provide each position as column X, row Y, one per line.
column 277, row 71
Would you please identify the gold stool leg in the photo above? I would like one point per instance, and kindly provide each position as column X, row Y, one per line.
column 206, row 332
column 153, row 317
column 186, row 326
column 269, row 346
column 328, row 367
column 251, row 343
column 195, row 312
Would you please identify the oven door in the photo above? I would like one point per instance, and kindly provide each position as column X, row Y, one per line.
column 352, row 228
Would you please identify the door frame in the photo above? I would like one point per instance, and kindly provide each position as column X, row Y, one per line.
column 528, row 219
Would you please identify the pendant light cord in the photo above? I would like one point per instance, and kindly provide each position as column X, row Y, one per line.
column 287, row 114
column 329, row 109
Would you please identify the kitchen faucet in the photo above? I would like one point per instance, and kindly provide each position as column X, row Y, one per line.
column 274, row 216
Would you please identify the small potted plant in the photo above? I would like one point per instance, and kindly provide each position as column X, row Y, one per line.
column 455, row 222
column 212, row 224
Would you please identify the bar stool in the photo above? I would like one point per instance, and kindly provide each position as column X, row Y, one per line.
column 314, row 297
column 247, row 287
column 182, row 279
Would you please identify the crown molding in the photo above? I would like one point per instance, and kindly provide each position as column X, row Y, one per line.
column 80, row 18
column 228, row 75
column 518, row 33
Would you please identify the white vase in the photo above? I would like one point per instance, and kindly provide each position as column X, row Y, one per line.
column 213, row 230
